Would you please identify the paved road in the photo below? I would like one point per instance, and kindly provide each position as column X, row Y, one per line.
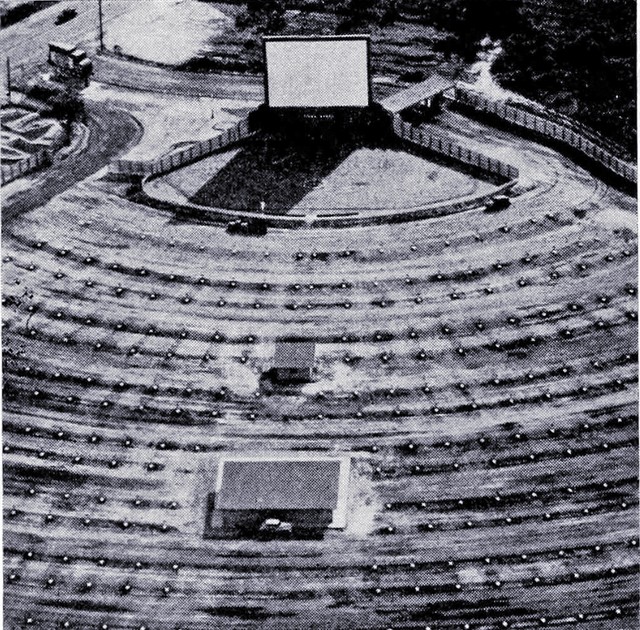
column 26, row 45
column 139, row 76
column 111, row 132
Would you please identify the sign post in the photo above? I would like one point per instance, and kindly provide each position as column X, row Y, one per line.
column 101, row 25
column 9, row 79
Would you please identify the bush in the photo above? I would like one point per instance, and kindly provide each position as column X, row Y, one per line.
column 412, row 76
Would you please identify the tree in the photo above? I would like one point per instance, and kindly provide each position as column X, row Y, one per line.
column 362, row 14
column 265, row 16
column 68, row 107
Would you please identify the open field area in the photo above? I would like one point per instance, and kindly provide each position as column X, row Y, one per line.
column 168, row 121
column 480, row 370
column 378, row 178
column 353, row 178
column 166, row 31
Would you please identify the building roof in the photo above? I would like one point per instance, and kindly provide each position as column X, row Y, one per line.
column 295, row 484
column 400, row 101
column 62, row 47
column 294, row 354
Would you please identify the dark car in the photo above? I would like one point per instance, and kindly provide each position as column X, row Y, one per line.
column 65, row 16
column 499, row 202
column 250, row 227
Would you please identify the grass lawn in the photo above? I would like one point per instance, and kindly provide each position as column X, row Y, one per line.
column 308, row 177
column 273, row 170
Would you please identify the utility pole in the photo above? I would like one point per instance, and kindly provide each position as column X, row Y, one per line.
column 101, row 26
column 9, row 78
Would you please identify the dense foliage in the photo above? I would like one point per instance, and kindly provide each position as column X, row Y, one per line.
column 359, row 15
column 264, row 16
column 580, row 60
column 467, row 21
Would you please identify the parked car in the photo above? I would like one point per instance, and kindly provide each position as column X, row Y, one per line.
column 275, row 527
column 250, row 227
column 499, row 202
column 65, row 16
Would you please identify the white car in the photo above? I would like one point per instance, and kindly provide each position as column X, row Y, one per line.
column 275, row 526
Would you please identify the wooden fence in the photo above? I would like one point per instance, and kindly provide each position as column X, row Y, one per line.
column 557, row 131
column 23, row 167
column 189, row 154
column 453, row 150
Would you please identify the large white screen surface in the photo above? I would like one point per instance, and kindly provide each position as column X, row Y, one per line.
column 317, row 72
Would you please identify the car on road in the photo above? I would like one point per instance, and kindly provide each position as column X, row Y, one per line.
column 250, row 227
column 66, row 16
column 499, row 202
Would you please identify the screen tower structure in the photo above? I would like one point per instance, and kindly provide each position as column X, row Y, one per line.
column 319, row 87
column 317, row 73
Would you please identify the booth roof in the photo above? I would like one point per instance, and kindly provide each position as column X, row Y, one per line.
column 279, row 484
column 400, row 101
